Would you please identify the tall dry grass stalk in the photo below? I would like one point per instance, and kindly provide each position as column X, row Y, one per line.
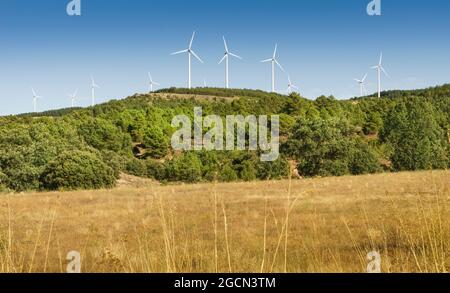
column 315, row 225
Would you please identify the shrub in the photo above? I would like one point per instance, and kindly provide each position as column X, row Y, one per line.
column 103, row 135
column 363, row 160
column 156, row 143
column 185, row 168
column 115, row 161
column 77, row 170
column 418, row 142
column 156, row 170
column 136, row 167
column 278, row 169
column 227, row 174
column 248, row 171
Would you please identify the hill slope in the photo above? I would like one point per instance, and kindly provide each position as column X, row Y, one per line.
column 89, row 148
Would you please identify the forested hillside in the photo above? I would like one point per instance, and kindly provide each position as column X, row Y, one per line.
column 89, row 148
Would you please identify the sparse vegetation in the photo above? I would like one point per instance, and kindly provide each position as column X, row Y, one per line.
column 312, row 225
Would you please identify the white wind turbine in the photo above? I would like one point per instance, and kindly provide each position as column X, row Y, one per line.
column 274, row 61
column 379, row 69
column 93, row 87
column 73, row 97
column 291, row 85
column 361, row 84
column 226, row 58
column 35, row 98
column 190, row 54
column 151, row 83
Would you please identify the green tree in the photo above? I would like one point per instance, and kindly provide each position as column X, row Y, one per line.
column 417, row 140
column 77, row 170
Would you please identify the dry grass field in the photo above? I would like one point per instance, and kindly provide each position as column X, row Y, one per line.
column 314, row 225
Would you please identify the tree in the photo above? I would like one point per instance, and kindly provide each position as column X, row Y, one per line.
column 155, row 143
column 103, row 135
column 185, row 168
column 74, row 170
column 417, row 140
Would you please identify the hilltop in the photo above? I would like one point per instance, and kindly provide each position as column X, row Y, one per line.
column 83, row 148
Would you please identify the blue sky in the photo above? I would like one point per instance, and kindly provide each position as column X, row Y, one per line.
column 323, row 44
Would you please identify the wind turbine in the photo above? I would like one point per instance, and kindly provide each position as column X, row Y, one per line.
column 379, row 69
column 93, row 87
column 151, row 82
column 274, row 61
column 226, row 58
column 190, row 54
column 73, row 97
column 291, row 85
column 361, row 84
column 35, row 98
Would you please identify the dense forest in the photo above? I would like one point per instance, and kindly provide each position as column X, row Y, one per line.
column 89, row 148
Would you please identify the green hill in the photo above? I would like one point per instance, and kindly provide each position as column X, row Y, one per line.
column 90, row 147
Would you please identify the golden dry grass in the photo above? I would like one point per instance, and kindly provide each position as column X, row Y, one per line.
column 316, row 225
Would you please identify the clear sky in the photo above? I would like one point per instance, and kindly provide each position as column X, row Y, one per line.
column 324, row 44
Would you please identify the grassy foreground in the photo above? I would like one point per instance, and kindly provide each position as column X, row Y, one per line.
column 314, row 225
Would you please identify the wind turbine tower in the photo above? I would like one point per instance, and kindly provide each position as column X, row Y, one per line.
column 380, row 69
column 362, row 87
column 190, row 54
column 274, row 61
column 93, row 87
column 226, row 58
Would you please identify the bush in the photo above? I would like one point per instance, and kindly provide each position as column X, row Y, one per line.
column 248, row 171
column 103, row 135
column 155, row 143
column 77, row 170
column 115, row 161
column 417, row 140
column 364, row 160
column 156, row 170
column 186, row 168
column 136, row 167
column 227, row 174
column 278, row 169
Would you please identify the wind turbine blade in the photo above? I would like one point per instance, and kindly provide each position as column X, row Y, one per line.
column 267, row 60
column 221, row 60
column 381, row 58
column 295, row 87
column 364, row 78
column 179, row 52
column 192, row 40
column 357, row 80
column 225, row 43
column 155, row 83
column 234, row 55
column 279, row 65
column 34, row 93
column 275, row 51
column 384, row 71
column 195, row 55
column 374, row 67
